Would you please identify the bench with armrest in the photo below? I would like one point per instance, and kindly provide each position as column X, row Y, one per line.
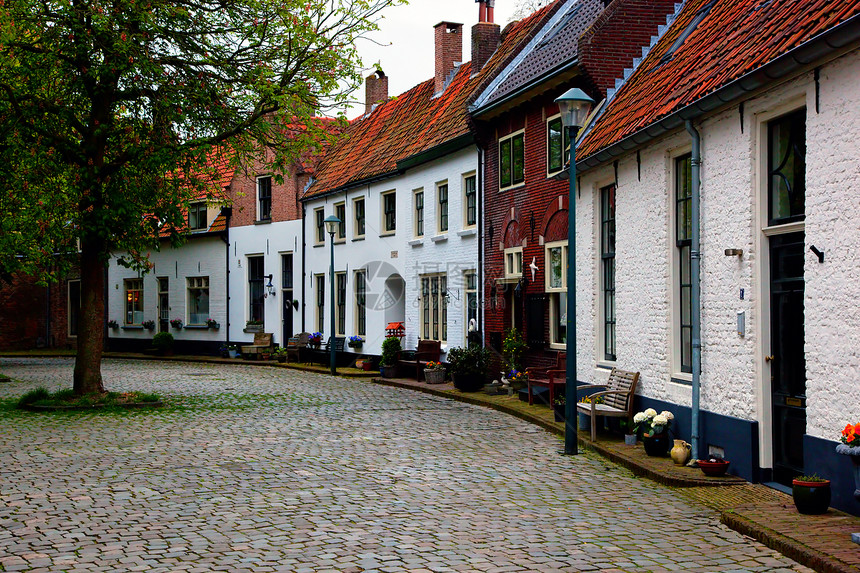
column 427, row 351
column 339, row 341
column 296, row 344
column 262, row 343
column 552, row 377
column 617, row 394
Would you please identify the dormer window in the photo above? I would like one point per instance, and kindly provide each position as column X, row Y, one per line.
column 197, row 220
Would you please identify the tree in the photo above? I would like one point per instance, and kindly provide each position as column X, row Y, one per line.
column 111, row 112
column 525, row 8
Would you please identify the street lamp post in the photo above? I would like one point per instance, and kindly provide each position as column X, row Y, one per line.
column 331, row 225
column 574, row 106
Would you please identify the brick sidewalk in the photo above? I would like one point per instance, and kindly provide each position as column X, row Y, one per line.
column 821, row 542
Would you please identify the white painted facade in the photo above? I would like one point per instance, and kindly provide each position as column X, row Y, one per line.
column 396, row 261
column 735, row 379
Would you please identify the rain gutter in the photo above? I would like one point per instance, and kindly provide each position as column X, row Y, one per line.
column 833, row 42
column 695, row 287
column 436, row 152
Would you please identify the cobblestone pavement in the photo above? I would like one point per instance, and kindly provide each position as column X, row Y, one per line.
column 264, row 469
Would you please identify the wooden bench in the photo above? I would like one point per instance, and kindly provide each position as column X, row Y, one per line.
column 551, row 377
column 617, row 398
column 338, row 344
column 296, row 344
column 427, row 351
column 262, row 343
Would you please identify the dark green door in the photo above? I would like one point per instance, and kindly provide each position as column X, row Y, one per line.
column 787, row 359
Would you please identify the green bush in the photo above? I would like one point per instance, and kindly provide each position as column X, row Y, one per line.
column 514, row 350
column 474, row 360
column 390, row 350
column 163, row 341
column 33, row 396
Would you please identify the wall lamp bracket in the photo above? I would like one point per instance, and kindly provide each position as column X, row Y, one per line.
column 819, row 254
column 734, row 252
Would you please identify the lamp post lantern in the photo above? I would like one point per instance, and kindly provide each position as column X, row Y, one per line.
column 574, row 105
column 331, row 225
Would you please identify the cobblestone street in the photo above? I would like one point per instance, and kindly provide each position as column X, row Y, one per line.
column 252, row 468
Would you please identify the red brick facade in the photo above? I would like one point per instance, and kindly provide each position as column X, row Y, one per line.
column 33, row 316
column 285, row 196
column 449, row 49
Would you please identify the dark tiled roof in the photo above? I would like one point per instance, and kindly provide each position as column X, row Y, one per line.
column 413, row 122
column 557, row 48
column 735, row 38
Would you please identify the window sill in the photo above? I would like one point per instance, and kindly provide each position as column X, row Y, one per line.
column 388, row 233
column 439, row 238
column 415, row 242
column 340, row 241
column 317, row 245
column 470, row 232
column 263, row 222
column 354, row 239
column 681, row 378
column 131, row 327
column 515, row 186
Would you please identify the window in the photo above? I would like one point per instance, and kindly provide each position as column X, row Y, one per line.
column 361, row 303
column 786, row 167
column 418, row 200
column 683, row 242
column 287, row 271
column 434, row 307
column 197, row 219
column 607, row 256
column 74, row 307
column 514, row 262
column 256, row 290
column 340, row 319
column 470, row 200
column 134, row 301
column 319, row 221
column 471, row 280
column 557, row 142
column 340, row 213
column 264, row 194
column 198, row 300
column 511, row 160
column 163, row 303
column 442, row 198
column 389, row 212
column 320, row 312
column 556, row 288
column 358, row 210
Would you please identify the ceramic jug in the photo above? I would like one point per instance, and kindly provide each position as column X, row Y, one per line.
column 681, row 452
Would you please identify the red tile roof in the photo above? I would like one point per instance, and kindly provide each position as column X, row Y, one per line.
column 413, row 122
column 735, row 38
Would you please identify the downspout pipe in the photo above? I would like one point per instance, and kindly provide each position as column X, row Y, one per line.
column 695, row 290
column 479, row 279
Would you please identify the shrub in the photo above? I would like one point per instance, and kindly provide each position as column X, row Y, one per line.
column 474, row 360
column 514, row 349
column 163, row 341
column 33, row 396
column 390, row 350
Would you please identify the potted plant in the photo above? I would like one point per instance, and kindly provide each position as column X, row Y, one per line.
column 654, row 428
column 148, row 324
column 629, row 433
column 714, row 465
column 280, row 354
column 176, row 323
column 850, row 447
column 434, row 373
column 254, row 326
column 811, row 494
column 355, row 342
column 232, row 351
column 517, row 380
column 112, row 324
column 390, row 351
column 315, row 340
column 514, row 349
column 163, row 343
column 584, row 417
column 469, row 367
column 558, row 405
column 212, row 323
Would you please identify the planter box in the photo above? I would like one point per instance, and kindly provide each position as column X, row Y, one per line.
column 434, row 376
column 254, row 328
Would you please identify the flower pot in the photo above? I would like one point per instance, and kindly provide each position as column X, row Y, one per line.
column 254, row 328
column 434, row 376
column 811, row 497
column 629, row 439
column 468, row 382
column 354, row 344
column 388, row 371
column 282, row 358
column 367, row 365
column 714, row 469
column 232, row 353
column 852, row 452
column 584, row 421
column 558, row 412
column 657, row 446
column 681, row 452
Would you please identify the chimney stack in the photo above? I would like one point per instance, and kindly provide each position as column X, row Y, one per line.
column 449, row 50
column 375, row 90
column 486, row 38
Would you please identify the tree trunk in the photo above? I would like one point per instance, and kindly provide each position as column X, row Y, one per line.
column 88, row 374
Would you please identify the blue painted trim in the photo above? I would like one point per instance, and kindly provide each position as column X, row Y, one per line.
column 820, row 457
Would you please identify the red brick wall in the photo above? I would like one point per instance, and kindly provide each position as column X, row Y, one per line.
column 285, row 197
column 618, row 35
column 449, row 49
column 537, row 202
column 24, row 318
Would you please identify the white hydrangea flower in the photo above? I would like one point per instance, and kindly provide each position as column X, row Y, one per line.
column 650, row 413
column 667, row 414
column 660, row 420
column 640, row 417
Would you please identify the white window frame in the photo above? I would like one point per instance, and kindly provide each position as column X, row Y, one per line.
column 340, row 303
column 675, row 260
column 510, row 137
column 195, row 284
column 340, row 233
column 433, row 307
column 443, row 209
column 464, row 178
column 416, row 220
column 513, row 262
column 384, row 219
column 319, row 227
column 358, row 233
column 360, row 308
column 319, row 301
column 564, row 145
column 555, row 292
column 137, row 283
column 271, row 199
column 469, row 292
column 195, row 207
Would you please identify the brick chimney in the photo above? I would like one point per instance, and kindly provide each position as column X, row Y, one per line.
column 375, row 90
column 449, row 50
column 486, row 38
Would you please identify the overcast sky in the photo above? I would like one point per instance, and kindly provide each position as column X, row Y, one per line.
column 406, row 32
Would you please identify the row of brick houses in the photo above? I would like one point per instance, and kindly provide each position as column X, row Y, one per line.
column 454, row 202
